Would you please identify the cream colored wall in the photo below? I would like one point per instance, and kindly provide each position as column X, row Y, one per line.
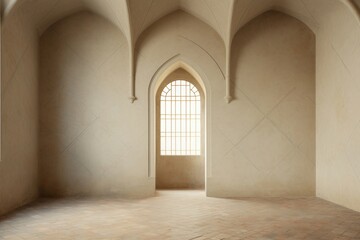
column 281, row 150
column 19, row 125
column 337, row 27
column 264, row 141
column 180, row 172
column 338, row 111
column 92, row 140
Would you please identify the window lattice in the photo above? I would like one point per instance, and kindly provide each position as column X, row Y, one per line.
column 180, row 119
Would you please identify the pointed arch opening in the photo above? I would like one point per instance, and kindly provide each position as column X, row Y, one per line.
column 180, row 125
column 195, row 164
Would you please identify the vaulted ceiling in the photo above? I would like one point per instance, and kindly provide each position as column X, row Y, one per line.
column 225, row 17
column 133, row 17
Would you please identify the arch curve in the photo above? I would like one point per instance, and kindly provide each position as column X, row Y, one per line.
column 168, row 67
column 311, row 13
column 43, row 14
column 179, row 12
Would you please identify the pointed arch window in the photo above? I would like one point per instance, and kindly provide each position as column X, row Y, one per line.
column 180, row 119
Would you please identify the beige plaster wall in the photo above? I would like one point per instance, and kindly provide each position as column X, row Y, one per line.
column 181, row 37
column 264, row 141
column 338, row 111
column 19, row 125
column 180, row 172
column 91, row 137
column 93, row 141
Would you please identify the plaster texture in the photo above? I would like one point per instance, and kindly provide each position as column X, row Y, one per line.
column 91, row 139
column 102, row 65
column 264, row 141
column 338, row 112
column 93, row 143
column 19, row 111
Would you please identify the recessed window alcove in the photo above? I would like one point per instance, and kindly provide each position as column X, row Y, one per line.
column 179, row 130
column 178, row 117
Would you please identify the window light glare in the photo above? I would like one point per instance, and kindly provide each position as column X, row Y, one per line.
column 180, row 119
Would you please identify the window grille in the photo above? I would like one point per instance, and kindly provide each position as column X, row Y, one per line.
column 180, row 119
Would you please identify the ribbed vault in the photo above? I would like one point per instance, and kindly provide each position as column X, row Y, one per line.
column 226, row 17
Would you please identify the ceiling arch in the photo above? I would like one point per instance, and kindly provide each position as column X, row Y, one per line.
column 313, row 13
column 43, row 13
column 213, row 12
column 133, row 17
column 180, row 13
column 246, row 10
column 332, row 18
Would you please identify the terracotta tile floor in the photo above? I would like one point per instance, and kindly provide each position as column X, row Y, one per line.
column 182, row 215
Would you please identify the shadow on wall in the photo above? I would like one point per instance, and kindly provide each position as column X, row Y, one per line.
column 269, row 129
column 92, row 140
column 87, row 128
column 290, row 47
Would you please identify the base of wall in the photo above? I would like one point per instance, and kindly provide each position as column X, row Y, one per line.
column 10, row 206
column 350, row 205
column 215, row 189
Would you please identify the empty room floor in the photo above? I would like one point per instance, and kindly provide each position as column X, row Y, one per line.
column 181, row 215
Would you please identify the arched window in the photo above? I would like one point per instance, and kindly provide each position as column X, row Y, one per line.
column 180, row 119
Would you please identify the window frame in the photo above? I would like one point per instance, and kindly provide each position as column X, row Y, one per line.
column 180, row 74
